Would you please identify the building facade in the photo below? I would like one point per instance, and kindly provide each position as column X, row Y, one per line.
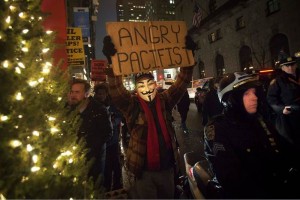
column 133, row 10
column 242, row 35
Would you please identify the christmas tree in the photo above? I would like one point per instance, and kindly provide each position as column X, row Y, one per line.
column 40, row 156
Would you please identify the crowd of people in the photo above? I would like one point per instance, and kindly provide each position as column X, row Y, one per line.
column 251, row 156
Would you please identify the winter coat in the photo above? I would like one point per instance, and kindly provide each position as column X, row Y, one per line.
column 285, row 91
column 96, row 126
column 211, row 106
column 136, row 120
column 248, row 157
column 184, row 103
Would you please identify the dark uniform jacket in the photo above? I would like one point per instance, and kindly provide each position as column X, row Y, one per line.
column 285, row 91
column 246, row 157
column 136, row 120
column 211, row 106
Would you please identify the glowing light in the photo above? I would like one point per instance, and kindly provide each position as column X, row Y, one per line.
column 25, row 31
column 22, row 15
column 12, row 8
column 35, row 158
column 7, row 20
column 70, row 160
column 20, row 116
column 35, row 169
column 67, row 153
column 48, row 64
column 45, row 50
column 3, row 118
column 29, row 147
column 16, row 127
column 74, row 179
column 41, row 80
column 24, row 178
column 55, row 166
column 53, row 130
column 5, row 63
column 35, row 133
column 15, row 143
column 21, row 65
column 19, row 96
column 18, row 70
column 24, row 49
column 51, row 118
column 49, row 32
column 46, row 69
column 33, row 83
column 59, row 98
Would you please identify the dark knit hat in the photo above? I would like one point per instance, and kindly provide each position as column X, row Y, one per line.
column 141, row 75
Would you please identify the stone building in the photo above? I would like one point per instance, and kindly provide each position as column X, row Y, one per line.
column 240, row 35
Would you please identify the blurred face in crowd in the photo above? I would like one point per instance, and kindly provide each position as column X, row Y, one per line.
column 77, row 94
column 250, row 100
column 289, row 68
column 146, row 89
column 101, row 95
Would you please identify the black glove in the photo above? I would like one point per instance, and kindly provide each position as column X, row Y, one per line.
column 108, row 48
column 189, row 43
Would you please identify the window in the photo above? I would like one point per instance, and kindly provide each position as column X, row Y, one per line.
column 215, row 36
column 212, row 37
column 240, row 23
column 272, row 6
column 212, row 6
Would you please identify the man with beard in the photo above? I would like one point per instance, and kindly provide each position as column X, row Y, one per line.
column 95, row 127
column 152, row 153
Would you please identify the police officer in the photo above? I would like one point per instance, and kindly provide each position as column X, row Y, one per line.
column 284, row 98
column 246, row 154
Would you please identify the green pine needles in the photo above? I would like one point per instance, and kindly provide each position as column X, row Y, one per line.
column 40, row 157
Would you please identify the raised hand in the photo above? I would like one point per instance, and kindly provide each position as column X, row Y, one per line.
column 108, row 48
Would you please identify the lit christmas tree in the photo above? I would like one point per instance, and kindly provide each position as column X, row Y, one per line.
column 40, row 156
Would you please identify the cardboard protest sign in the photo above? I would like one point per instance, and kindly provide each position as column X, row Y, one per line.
column 74, row 47
column 148, row 46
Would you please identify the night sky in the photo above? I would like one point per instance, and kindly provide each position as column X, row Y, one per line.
column 107, row 13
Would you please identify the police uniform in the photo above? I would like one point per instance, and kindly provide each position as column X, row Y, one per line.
column 285, row 91
column 245, row 157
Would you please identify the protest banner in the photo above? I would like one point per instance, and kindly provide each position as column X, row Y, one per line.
column 98, row 70
column 74, row 47
column 148, row 46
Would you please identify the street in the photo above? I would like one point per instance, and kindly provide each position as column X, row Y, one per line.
column 192, row 141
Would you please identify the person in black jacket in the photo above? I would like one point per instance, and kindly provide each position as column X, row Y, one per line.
column 284, row 98
column 183, row 108
column 211, row 105
column 113, row 167
column 95, row 127
column 248, row 156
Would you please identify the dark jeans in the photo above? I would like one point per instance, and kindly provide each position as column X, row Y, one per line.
column 97, row 168
column 113, row 169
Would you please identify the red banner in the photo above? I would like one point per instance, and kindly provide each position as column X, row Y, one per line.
column 57, row 22
column 97, row 70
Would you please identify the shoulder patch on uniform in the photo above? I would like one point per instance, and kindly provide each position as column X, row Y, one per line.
column 209, row 132
column 218, row 147
column 273, row 82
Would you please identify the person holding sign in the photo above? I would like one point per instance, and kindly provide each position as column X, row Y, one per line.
column 152, row 153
